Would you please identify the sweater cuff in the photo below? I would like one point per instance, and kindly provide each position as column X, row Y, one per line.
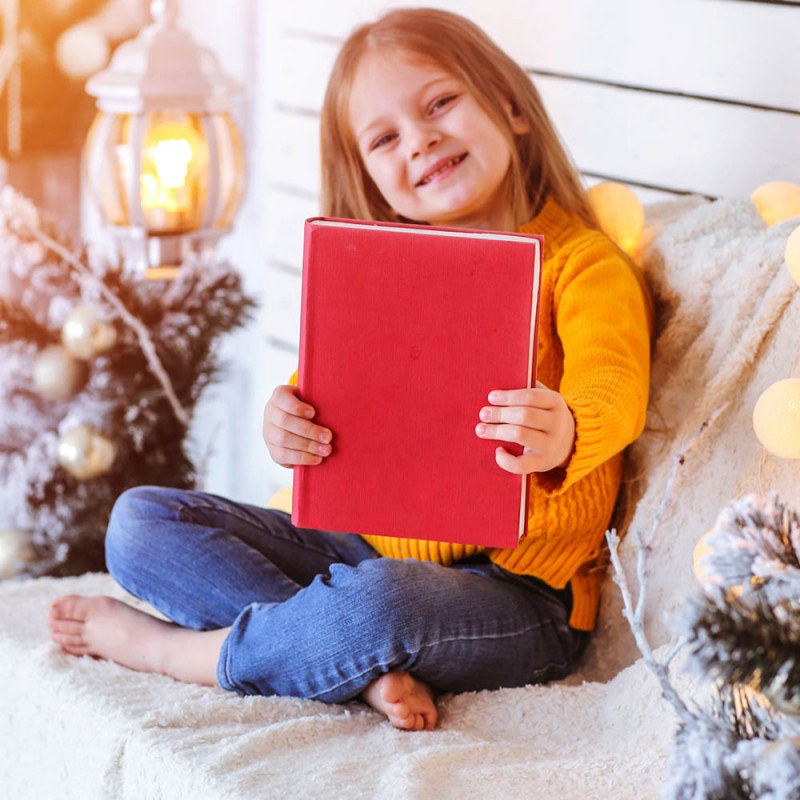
column 594, row 433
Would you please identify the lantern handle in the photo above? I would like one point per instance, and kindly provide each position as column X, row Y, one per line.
column 165, row 12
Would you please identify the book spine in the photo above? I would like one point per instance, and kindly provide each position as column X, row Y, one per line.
column 536, row 293
column 299, row 472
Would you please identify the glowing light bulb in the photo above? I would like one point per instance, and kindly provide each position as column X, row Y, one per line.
column 776, row 418
column 173, row 178
column 793, row 255
column 172, row 159
column 701, row 550
column 619, row 212
column 777, row 201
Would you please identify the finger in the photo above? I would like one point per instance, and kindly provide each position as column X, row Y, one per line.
column 538, row 398
column 285, row 398
column 516, row 434
column 284, row 439
column 276, row 419
column 523, row 464
column 536, row 418
column 294, row 458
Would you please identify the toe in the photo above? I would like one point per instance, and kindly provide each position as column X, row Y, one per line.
column 68, row 641
column 66, row 607
column 67, row 627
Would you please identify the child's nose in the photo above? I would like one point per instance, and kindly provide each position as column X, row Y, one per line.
column 423, row 140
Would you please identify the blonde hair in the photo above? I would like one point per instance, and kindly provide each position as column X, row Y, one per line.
column 540, row 167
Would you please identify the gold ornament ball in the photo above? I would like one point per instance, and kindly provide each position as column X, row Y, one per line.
column 619, row 213
column 793, row 255
column 16, row 549
column 85, row 453
column 57, row 374
column 777, row 201
column 85, row 335
column 776, row 418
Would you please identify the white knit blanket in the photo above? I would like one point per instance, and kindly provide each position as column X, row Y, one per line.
column 80, row 728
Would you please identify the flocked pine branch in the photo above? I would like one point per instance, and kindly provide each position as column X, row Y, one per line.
column 746, row 639
column 755, row 540
column 747, row 714
column 142, row 333
column 17, row 324
column 746, row 636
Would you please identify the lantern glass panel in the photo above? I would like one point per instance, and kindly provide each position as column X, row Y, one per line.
column 231, row 168
column 105, row 177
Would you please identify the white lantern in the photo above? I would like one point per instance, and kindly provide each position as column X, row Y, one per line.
column 163, row 160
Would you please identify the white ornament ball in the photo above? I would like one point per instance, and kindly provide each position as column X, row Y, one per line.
column 57, row 374
column 16, row 549
column 792, row 256
column 776, row 418
column 85, row 334
column 82, row 50
column 85, row 453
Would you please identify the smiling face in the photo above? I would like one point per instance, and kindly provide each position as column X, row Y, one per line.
column 432, row 151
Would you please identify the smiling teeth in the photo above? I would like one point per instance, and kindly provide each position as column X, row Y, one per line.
column 450, row 163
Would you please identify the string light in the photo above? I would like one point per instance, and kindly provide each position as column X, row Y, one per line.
column 777, row 201
column 776, row 418
column 792, row 256
column 619, row 212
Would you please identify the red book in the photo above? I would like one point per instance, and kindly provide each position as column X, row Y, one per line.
column 404, row 331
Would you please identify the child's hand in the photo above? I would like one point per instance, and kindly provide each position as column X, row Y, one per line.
column 538, row 419
column 291, row 437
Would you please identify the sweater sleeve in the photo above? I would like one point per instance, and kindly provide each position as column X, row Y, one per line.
column 603, row 319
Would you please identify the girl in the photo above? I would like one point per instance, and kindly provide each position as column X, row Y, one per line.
column 424, row 120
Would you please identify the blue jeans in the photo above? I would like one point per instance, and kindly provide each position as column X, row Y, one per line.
column 321, row 615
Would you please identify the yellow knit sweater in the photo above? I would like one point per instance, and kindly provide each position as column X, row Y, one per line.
column 595, row 321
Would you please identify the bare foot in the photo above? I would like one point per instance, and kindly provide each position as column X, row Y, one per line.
column 108, row 628
column 407, row 702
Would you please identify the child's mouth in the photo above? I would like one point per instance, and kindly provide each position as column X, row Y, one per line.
column 449, row 164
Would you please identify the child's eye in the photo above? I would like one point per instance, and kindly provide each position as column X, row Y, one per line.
column 441, row 102
column 381, row 141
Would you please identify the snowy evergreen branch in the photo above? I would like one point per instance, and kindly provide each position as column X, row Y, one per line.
column 17, row 324
column 746, row 639
column 142, row 333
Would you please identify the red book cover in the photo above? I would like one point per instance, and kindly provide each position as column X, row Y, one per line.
column 404, row 331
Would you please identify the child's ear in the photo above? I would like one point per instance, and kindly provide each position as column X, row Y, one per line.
column 518, row 125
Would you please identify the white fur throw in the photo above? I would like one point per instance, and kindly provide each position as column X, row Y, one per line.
column 80, row 728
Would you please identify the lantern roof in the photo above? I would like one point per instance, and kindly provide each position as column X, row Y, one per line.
column 162, row 69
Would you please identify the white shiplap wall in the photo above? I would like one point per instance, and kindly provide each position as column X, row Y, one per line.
column 667, row 95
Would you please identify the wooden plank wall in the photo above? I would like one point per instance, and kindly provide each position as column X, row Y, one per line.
column 669, row 96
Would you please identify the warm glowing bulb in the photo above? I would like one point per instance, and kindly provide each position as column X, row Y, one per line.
column 776, row 418
column 793, row 255
column 701, row 550
column 619, row 213
column 172, row 159
column 173, row 178
column 777, row 201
